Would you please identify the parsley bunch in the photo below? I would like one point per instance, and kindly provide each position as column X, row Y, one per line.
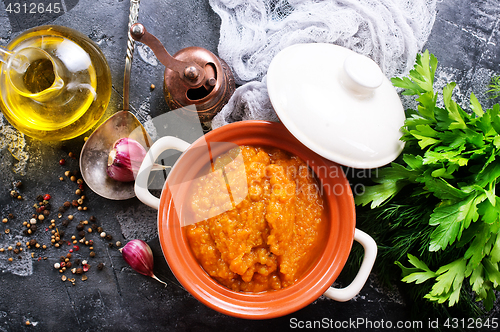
column 452, row 159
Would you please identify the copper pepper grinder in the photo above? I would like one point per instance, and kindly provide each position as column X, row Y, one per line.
column 193, row 76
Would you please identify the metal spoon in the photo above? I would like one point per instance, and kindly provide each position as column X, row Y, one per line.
column 95, row 151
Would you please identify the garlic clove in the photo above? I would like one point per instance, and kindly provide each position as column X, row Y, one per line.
column 139, row 256
column 125, row 159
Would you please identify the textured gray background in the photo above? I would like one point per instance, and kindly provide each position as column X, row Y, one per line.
column 465, row 39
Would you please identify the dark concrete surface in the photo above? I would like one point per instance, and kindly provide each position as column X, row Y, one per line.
column 465, row 39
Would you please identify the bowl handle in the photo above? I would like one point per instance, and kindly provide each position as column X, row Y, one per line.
column 347, row 293
column 141, row 182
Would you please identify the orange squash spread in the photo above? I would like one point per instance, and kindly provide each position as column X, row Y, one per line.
column 268, row 233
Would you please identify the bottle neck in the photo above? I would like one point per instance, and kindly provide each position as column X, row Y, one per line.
column 35, row 74
column 4, row 55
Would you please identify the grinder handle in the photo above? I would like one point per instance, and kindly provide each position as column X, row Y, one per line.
column 190, row 72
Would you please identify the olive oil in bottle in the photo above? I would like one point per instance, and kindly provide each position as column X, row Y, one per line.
column 60, row 86
column 39, row 75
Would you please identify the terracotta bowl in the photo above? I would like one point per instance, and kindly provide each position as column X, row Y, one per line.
column 339, row 206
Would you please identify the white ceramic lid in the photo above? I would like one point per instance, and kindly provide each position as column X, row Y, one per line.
column 338, row 103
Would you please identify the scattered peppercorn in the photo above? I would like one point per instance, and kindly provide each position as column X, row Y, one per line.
column 100, row 266
column 62, row 162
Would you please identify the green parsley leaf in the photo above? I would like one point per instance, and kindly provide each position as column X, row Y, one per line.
column 451, row 220
column 495, row 251
column 491, row 272
column 410, row 87
column 490, row 212
column 392, row 180
column 419, row 274
column 449, row 282
column 475, row 105
column 477, row 282
column 443, row 190
column 427, row 105
column 495, row 117
column 478, row 249
column 453, row 109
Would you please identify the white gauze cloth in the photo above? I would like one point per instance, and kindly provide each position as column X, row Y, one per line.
column 252, row 32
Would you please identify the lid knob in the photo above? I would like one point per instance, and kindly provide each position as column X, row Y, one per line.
column 361, row 74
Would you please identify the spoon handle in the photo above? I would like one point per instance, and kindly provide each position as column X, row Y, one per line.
column 132, row 18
